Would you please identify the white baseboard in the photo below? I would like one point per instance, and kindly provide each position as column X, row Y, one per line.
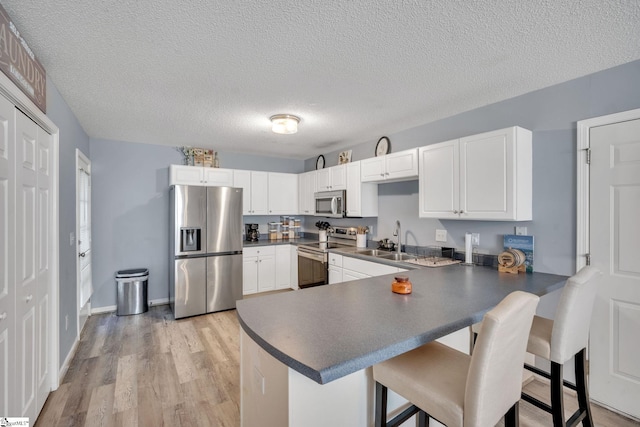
column 67, row 361
column 110, row 308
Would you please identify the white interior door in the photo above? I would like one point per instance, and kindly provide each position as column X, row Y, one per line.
column 44, row 250
column 26, row 263
column 614, row 237
column 83, row 241
column 7, row 259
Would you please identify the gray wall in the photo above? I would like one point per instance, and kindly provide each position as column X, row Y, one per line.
column 551, row 114
column 130, row 202
column 72, row 136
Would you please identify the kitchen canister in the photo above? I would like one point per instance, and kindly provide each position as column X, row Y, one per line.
column 322, row 235
column 361, row 240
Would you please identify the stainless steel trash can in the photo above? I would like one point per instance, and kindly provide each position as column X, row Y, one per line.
column 132, row 291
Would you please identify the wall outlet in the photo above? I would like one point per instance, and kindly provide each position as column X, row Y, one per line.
column 475, row 239
column 66, row 322
column 441, row 235
column 72, row 238
column 371, row 231
column 521, row 231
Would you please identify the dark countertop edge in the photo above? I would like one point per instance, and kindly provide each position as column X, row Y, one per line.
column 348, row 367
column 280, row 356
column 332, row 373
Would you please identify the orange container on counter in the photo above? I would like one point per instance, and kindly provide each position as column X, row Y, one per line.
column 401, row 285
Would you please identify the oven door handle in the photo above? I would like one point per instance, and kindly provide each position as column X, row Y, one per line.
column 313, row 256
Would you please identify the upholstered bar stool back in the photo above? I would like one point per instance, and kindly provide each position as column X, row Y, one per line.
column 564, row 338
column 458, row 389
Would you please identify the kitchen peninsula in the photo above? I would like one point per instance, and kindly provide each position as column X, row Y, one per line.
column 306, row 355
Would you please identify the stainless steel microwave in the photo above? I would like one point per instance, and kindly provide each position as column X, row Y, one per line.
column 331, row 204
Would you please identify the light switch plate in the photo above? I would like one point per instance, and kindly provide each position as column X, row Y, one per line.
column 72, row 238
column 441, row 235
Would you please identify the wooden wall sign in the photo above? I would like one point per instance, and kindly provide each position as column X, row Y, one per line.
column 19, row 63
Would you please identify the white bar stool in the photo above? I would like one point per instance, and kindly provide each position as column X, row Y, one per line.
column 564, row 338
column 455, row 388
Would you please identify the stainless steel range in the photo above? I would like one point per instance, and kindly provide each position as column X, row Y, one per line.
column 312, row 257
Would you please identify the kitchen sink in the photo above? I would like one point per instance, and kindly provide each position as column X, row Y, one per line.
column 397, row 256
column 374, row 252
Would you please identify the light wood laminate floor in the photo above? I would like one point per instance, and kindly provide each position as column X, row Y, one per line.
column 151, row 370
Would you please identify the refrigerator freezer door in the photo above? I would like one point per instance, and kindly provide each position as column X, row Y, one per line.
column 190, row 287
column 224, row 282
column 224, row 219
column 189, row 220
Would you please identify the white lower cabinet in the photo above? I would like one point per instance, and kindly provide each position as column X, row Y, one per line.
column 335, row 268
column 267, row 268
column 283, row 267
column 258, row 269
column 344, row 268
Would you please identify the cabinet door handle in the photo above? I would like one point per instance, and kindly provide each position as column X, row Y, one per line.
column 455, row 212
column 82, row 254
column 3, row 316
column 29, row 298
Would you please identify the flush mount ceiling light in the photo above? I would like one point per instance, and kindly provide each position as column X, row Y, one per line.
column 285, row 124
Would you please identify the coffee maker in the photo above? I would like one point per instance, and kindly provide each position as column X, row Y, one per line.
column 251, row 232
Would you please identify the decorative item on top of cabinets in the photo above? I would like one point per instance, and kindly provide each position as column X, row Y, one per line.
column 383, row 146
column 320, row 162
column 344, row 157
column 483, row 177
column 199, row 157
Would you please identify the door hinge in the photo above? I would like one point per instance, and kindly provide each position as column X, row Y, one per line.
column 588, row 150
column 588, row 256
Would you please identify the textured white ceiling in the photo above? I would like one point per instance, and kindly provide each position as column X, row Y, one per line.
column 210, row 73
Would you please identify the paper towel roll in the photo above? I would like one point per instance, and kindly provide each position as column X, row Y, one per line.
column 468, row 249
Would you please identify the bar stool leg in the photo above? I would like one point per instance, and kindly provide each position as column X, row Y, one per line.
column 381, row 405
column 581, row 387
column 557, row 395
column 512, row 417
column 423, row 419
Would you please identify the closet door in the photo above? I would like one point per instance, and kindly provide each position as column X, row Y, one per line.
column 27, row 268
column 7, row 259
column 43, row 262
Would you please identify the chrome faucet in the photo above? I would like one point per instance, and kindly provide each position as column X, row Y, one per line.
column 398, row 233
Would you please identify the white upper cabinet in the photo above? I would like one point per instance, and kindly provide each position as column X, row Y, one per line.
column 254, row 186
column 306, row 190
column 333, row 178
column 283, row 193
column 198, row 175
column 401, row 166
column 481, row 177
column 362, row 198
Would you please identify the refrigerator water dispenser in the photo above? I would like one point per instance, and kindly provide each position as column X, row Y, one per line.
column 190, row 239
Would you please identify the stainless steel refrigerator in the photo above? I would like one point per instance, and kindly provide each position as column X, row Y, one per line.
column 205, row 249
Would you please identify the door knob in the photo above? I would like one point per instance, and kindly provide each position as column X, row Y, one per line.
column 82, row 254
column 29, row 298
column 3, row 316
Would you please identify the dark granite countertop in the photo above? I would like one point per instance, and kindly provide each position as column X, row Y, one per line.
column 328, row 332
